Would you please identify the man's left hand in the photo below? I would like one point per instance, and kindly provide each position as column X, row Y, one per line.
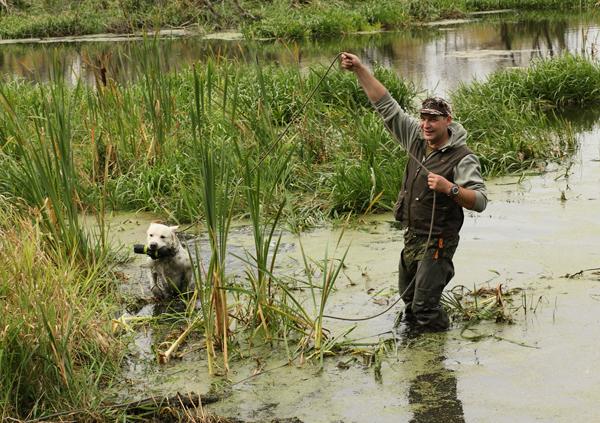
column 438, row 183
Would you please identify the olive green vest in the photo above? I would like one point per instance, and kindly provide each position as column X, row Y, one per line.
column 415, row 200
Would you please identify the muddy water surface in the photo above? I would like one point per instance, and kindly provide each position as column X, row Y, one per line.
column 542, row 368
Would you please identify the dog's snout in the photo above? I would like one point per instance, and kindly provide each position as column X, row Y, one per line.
column 153, row 245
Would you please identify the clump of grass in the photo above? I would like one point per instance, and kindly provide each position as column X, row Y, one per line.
column 480, row 304
column 46, row 173
column 56, row 345
column 385, row 14
column 511, row 116
column 217, row 195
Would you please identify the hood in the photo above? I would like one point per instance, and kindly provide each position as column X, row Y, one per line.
column 458, row 135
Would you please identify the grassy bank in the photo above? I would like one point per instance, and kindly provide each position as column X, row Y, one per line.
column 288, row 19
column 512, row 115
column 134, row 146
column 56, row 347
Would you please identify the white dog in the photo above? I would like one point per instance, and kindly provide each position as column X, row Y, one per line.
column 171, row 273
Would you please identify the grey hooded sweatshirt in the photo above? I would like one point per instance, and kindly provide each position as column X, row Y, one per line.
column 406, row 130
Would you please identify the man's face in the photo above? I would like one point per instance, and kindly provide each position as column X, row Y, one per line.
column 435, row 128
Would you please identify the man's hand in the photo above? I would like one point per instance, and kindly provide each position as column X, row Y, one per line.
column 350, row 61
column 372, row 87
column 465, row 198
column 438, row 183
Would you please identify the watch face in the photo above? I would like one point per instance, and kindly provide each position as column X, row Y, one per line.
column 454, row 190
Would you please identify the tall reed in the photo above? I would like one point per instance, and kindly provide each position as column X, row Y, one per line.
column 157, row 93
column 330, row 269
column 45, row 169
column 218, row 197
column 265, row 168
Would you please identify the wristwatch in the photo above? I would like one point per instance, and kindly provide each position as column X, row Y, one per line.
column 454, row 190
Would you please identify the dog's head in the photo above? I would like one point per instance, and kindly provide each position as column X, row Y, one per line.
column 159, row 235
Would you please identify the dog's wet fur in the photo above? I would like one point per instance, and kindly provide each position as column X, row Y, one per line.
column 170, row 276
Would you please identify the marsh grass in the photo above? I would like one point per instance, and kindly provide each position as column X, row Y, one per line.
column 261, row 156
column 512, row 117
column 529, row 4
column 45, row 170
column 209, row 136
column 157, row 92
column 135, row 150
column 217, row 198
column 321, row 20
column 133, row 146
column 285, row 19
column 56, row 345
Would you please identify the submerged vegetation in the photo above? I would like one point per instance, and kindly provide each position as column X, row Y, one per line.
column 470, row 306
column 271, row 18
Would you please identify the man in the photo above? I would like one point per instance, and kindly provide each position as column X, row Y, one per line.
column 447, row 177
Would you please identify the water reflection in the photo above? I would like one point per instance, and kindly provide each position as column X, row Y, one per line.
column 432, row 392
column 435, row 58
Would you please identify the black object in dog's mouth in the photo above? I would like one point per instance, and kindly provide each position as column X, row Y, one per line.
column 154, row 253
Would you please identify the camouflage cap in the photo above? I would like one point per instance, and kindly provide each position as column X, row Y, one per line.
column 436, row 106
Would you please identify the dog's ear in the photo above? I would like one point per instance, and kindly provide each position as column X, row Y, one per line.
column 173, row 230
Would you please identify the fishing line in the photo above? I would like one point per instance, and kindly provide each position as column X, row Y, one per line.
column 410, row 154
column 362, row 319
column 301, row 109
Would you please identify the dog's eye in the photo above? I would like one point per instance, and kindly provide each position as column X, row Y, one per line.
column 162, row 237
column 151, row 235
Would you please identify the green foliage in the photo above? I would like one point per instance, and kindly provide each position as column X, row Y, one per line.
column 56, row 344
column 509, row 116
column 529, row 4
column 43, row 169
column 133, row 146
column 50, row 25
column 275, row 19
column 434, row 9
column 373, row 175
column 306, row 22
column 387, row 14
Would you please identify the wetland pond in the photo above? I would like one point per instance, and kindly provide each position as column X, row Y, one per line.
column 536, row 230
column 540, row 368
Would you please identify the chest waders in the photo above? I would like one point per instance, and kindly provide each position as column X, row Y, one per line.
column 425, row 266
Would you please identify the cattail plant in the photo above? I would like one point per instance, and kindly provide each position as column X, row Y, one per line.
column 46, row 170
column 218, row 197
